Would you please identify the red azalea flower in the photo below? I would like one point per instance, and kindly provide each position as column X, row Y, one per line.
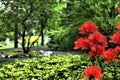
column 93, row 71
column 118, row 26
column 117, row 51
column 115, row 38
column 97, row 39
column 81, row 43
column 88, row 27
column 97, row 51
column 110, row 55
column 119, row 10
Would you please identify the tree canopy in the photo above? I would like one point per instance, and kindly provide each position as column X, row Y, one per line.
column 23, row 17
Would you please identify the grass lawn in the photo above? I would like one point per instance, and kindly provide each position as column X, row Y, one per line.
column 11, row 45
column 7, row 46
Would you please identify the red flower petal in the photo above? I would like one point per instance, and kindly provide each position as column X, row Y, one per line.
column 119, row 10
column 81, row 43
column 117, row 51
column 88, row 27
column 115, row 38
column 97, row 51
column 94, row 71
column 100, row 50
column 110, row 55
column 97, row 39
column 118, row 26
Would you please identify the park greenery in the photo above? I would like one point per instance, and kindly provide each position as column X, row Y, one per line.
column 26, row 23
column 59, row 20
column 60, row 67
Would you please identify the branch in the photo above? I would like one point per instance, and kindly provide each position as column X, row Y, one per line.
column 29, row 11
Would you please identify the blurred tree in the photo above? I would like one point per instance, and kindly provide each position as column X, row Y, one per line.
column 25, row 16
column 7, row 19
column 45, row 13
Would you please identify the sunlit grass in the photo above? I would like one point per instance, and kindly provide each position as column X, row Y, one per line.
column 8, row 46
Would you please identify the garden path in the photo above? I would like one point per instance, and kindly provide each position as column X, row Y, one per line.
column 44, row 49
column 38, row 49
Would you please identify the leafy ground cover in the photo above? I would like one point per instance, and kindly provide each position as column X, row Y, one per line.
column 60, row 67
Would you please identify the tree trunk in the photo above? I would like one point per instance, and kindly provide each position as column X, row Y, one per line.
column 25, row 50
column 16, row 30
column 23, row 42
column 42, row 36
column 16, row 36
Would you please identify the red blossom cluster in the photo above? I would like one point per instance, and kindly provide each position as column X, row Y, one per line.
column 115, row 38
column 81, row 43
column 110, row 55
column 117, row 51
column 119, row 10
column 88, row 27
column 118, row 26
column 93, row 71
column 97, row 43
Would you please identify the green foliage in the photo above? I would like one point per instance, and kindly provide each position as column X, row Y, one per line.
column 60, row 7
column 60, row 67
column 63, row 38
column 101, row 12
column 104, row 17
column 68, row 39
column 55, row 36
column 109, row 69
column 117, row 19
column 22, row 17
column 46, row 68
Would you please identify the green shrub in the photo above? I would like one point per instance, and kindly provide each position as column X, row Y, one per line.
column 61, row 67
column 55, row 38
column 69, row 38
column 63, row 38
column 46, row 68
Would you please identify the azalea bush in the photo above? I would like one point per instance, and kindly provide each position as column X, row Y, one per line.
column 99, row 50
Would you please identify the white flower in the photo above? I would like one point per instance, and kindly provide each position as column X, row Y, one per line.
column 47, row 53
column 41, row 51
